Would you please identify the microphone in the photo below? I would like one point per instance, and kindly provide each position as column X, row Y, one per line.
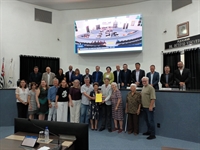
column 59, row 146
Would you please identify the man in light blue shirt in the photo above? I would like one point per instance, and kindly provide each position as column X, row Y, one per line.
column 51, row 99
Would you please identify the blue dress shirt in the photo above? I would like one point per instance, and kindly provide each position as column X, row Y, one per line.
column 52, row 93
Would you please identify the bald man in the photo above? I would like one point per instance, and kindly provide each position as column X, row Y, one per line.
column 117, row 74
column 69, row 74
column 48, row 76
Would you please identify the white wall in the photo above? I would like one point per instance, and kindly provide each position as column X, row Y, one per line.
column 22, row 35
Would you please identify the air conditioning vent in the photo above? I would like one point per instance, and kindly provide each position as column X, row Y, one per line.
column 43, row 16
column 176, row 4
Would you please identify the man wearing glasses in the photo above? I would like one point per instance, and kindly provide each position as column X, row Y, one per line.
column 148, row 103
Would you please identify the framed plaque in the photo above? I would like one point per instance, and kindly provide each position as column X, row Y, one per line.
column 183, row 29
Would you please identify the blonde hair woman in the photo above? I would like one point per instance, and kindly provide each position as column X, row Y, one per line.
column 41, row 98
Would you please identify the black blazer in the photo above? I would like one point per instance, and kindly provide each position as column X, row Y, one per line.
column 185, row 77
column 128, row 76
column 115, row 76
column 60, row 77
column 141, row 75
column 67, row 76
column 90, row 76
column 100, row 77
column 155, row 79
column 35, row 78
column 170, row 80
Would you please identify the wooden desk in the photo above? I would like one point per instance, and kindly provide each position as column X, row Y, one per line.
column 13, row 142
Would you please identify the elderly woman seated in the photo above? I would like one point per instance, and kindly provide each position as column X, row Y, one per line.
column 133, row 104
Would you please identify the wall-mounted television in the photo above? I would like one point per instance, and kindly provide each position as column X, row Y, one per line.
column 113, row 34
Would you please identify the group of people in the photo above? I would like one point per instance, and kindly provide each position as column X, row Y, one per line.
column 124, row 78
column 51, row 95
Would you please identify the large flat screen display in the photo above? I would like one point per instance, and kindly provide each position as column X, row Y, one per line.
column 113, row 34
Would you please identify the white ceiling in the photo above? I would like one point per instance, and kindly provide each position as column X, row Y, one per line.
column 80, row 4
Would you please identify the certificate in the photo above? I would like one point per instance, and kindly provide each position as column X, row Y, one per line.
column 98, row 98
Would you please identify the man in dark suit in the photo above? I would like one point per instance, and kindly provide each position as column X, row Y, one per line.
column 137, row 75
column 167, row 79
column 125, row 77
column 182, row 76
column 87, row 73
column 117, row 74
column 97, row 76
column 35, row 76
column 69, row 74
column 153, row 77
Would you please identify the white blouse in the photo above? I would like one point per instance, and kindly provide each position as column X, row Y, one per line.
column 107, row 75
column 23, row 95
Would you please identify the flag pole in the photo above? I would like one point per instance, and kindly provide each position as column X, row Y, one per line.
column 2, row 80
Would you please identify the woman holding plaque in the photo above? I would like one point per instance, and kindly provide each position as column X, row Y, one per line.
column 117, row 107
column 93, row 110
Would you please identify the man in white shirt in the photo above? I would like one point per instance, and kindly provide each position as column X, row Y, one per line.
column 117, row 74
column 106, row 105
column 85, row 90
column 137, row 75
column 154, row 77
column 48, row 76
column 69, row 74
